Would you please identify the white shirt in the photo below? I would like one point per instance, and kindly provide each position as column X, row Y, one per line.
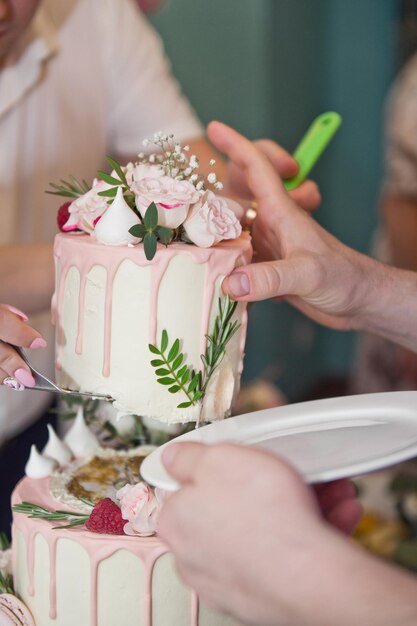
column 89, row 79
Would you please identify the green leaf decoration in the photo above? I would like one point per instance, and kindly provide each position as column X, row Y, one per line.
column 164, row 341
column 111, row 180
column 39, row 512
column 173, row 373
column 108, row 193
column 149, row 245
column 73, row 189
column 165, row 235
column 118, row 169
column 174, row 350
column 151, row 217
column 138, row 230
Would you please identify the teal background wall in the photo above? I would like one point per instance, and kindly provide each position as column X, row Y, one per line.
column 268, row 67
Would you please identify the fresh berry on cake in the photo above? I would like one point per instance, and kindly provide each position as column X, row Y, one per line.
column 138, row 306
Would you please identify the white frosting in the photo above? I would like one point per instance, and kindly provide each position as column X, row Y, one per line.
column 39, row 466
column 113, row 227
column 80, row 440
column 57, row 449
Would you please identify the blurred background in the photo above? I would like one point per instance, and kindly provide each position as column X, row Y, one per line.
column 268, row 67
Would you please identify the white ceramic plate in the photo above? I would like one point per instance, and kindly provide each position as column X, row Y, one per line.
column 324, row 439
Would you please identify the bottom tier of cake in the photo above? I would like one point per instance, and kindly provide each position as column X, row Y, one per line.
column 71, row 576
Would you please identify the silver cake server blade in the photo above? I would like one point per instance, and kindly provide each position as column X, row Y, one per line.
column 42, row 383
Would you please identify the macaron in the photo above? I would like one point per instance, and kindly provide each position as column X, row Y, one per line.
column 13, row 612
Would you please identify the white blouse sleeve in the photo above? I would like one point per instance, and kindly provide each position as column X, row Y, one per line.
column 143, row 96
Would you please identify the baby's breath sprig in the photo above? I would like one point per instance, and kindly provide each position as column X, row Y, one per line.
column 174, row 159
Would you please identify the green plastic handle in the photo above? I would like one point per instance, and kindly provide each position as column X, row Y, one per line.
column 312, row 146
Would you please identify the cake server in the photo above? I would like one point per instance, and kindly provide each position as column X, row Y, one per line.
column 45, row 384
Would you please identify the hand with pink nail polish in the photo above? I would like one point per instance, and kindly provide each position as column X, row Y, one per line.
column 14, row 331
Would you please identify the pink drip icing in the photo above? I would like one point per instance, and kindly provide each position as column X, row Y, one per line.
column 84, row 253
column 194, row 609
column 81, row 308
column 52, row 576
column 98, row 547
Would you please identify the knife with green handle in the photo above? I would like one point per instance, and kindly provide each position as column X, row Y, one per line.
column 312, row 146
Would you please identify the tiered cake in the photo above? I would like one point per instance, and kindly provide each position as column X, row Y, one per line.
column 140, row 316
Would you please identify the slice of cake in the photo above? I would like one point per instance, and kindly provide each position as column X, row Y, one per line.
column 138, row 305
column 85, row 549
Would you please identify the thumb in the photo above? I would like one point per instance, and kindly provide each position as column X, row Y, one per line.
column 268, row 280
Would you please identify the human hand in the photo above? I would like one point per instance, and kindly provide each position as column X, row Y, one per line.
column 245, row 530
column 14, row 372
column 307, row 195
column 339, row 505
column 301, row 261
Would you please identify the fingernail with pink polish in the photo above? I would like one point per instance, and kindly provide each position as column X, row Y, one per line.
column 238, row 284
column 24, row 377
column 39, row 342
column 17, row 312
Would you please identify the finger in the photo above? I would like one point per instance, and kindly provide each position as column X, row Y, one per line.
column 13, row 330
column 261, row 177
column 284, row 164
column 16, row 311
column 307, row 196
column 268, row 280
column 181, row 460
column 14, row 366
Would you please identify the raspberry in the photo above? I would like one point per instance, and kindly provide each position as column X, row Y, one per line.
column 106, row 517
column 63, row 215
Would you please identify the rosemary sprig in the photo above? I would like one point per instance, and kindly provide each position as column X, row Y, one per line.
column 39, row 512
column 223, row 331
column 73, row 189
column 4, row 542
column 171, row 370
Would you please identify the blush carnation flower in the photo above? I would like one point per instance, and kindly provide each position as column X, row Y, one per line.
column 173, row 198
column 211, row 220
column 140, row 508
column 86, row 210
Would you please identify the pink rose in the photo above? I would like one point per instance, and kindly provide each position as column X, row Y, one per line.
column 86, row 210
column 172, row 198
column 140, row 508
column 211, row 220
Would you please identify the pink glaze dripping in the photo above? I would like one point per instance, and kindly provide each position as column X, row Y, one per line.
column 84, row 253
column 52, row 576
column 194, row 609
column 98, row 548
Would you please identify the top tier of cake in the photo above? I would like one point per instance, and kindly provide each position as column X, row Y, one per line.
column 110, row 303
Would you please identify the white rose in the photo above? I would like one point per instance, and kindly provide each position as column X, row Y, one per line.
column 211, row 220
column 172, row 198
column 86, row 210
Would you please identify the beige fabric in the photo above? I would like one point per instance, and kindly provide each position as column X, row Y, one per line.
column 89, row 79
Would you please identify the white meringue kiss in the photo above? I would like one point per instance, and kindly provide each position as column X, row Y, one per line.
column 56, row 449
column 39, row 466
column 113, row 227
column 80, row 440
column 173, row 198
